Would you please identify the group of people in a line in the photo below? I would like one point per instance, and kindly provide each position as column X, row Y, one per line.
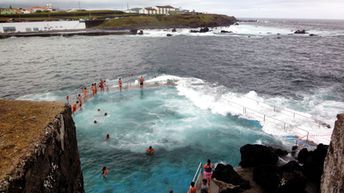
column 204, row 187
column 84, row 95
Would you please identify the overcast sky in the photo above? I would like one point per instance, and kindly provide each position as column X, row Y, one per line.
column 317, row 9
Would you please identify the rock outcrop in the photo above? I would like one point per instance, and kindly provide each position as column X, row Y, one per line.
column 332, row 180
column 227, row 174
column 300, row 31
column 50, row 163
column 256, row 155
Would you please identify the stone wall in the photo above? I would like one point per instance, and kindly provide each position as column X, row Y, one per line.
column 53, row 165
column 333, row 177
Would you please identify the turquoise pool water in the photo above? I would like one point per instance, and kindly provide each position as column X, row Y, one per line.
column 182, row 134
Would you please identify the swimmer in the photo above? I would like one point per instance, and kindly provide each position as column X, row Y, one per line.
column 105, row 172
column 80, row 99
column 120, row 84
column 95, row 121
column 107, row 137
column 106, row 86
column 94, row 89
column 98, row 110
column 67, row 99
column 150, row 150
column 105, row 114
column 141, row 80
column 101, row 85
column 85, row 93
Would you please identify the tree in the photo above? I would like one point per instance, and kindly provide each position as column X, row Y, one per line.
column 10, row 6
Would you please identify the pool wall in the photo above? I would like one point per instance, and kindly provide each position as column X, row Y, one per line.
column 51, row 163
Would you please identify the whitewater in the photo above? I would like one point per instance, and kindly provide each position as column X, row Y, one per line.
column 278, row 116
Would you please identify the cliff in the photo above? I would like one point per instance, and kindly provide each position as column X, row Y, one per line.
column 169, row 21
column 332, row 180
column 38, row 148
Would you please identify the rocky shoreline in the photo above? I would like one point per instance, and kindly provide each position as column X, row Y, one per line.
column 268, row 174
column 265, row 169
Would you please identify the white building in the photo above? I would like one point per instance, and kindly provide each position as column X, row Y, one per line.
column 165, row 10
column 41, row 26
column 148, row 11
column 158, row 10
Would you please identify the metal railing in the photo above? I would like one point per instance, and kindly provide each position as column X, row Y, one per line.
column 197, row 173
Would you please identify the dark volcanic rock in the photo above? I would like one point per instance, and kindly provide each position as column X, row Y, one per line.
column 203, row 30
column 300, row 31
column 256, row 155
column 302, row 156
column 133, row 31
column 314, row 163
column 168, row 35
column 227, row 174
column 291, row 167
column 280, row 152
column 292, row 178
column 268, row 177
column 174, row 30
column 293, row 183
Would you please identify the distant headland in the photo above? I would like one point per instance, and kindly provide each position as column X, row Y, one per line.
column 47, row 20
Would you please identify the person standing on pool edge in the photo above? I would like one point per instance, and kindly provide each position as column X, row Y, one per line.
column 208, row 170
column 120, row 84
column 141, row 80
column 192, row 188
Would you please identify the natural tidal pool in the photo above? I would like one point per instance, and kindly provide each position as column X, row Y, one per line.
column 181, row 133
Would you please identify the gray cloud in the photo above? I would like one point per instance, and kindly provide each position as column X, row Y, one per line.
column 327, row 9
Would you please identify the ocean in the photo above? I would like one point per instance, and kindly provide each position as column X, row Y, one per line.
column 259, row 84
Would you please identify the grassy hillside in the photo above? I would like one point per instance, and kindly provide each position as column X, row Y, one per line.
column 163, row 21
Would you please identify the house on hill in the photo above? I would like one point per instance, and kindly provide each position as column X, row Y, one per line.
column 157, row 10
column 149, row 11
column 41, row 9
column 165, row 10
